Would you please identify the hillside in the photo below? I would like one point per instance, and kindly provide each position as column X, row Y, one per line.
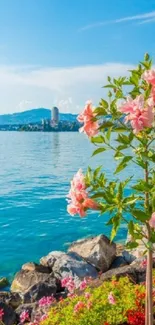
column 33, row 116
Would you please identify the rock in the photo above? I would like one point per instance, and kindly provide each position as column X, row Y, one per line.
column 128, row 256
column 24, row 280
column 98, row 251
column 23, row 307
column 11, row 299
column 118, row 261
column 40, row 290
column 118, row 272
column 9, row 317
column 3, row 283
column 35, row 267
column 64, row 265
column 119, row 249
column 139, row 269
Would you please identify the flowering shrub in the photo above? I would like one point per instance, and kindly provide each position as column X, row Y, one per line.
column 128, row 112
column 113, row 303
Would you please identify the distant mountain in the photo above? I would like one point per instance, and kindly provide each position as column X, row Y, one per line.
column 33, row 116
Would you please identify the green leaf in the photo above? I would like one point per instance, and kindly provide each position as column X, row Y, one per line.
column 108, row 134
column 120, row 129
column 99, row 150
column 122, row 138
column 105, row 125
column 131, row 245
column 96, row 171
column 123, row 164
column 130, row 200
column 131, row 228
column 119, row 168
column 122, row 147
column 116, row 224
column 104, row 103
column 98, row 139
column 140, row 215
column 100, row 111
column 118, row 155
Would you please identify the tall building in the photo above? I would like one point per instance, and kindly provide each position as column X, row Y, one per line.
column 55, row 115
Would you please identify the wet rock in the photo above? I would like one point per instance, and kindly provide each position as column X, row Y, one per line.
column 11, row 299
column 9, row 317
column 98, row 251
column 39, row 290
column 118, row 261
column 3, row 283
column 120, row 272
column 24, row 280
column 25, row 307
column 35, row 267
column 139, row 269
column 64, row 265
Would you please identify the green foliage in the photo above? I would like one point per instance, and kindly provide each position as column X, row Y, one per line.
column 97, row 310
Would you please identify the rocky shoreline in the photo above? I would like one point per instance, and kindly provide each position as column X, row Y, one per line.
column 95, row 259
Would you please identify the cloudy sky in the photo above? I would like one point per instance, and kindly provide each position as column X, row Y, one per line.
column 59, row 52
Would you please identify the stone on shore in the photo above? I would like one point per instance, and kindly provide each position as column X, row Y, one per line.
column 39, row 290
column 9, row 317
column 120, row 272
column 71, row 264
column 11, row 299
column 3, row 283
column 24, row 280
column 98, row 251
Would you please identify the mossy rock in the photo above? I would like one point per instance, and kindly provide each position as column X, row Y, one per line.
column 3, row 283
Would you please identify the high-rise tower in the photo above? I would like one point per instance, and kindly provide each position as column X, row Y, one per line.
column 55, row 115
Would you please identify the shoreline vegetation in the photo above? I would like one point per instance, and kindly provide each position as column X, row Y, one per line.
column 91, row 266
column 62, row 126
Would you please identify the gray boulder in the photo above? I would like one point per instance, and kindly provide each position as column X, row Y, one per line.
column 24, row 280
column 98, row 251
column 71, row 264
column 9, row 317
column 119, row 272
column 12, row 299
column 39, row 290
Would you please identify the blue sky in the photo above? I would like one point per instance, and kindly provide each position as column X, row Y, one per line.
column 60, row 51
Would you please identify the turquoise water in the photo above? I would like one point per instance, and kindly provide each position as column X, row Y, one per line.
column 35, row 171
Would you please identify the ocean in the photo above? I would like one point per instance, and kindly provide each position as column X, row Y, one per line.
column 35, row 174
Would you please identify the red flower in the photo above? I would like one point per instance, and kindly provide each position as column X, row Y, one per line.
column 136, row 317
column 1, row 313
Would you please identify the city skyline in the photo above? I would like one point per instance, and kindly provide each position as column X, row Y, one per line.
column 49, row 58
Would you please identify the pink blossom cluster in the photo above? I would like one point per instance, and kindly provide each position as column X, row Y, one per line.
column 139, row 113
column 79, row 201
column 46, row 301
column 24, row 316
column 1, row 313
column 111, row 299
column 87, row 117
column 83, row 285
column 149, row 76
column 69, row 284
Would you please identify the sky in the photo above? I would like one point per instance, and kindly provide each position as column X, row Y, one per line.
column 60, row 52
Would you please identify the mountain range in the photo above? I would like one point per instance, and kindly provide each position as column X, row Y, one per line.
column 33, row 116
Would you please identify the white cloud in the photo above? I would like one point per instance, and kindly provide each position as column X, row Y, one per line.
column 26, row 87
column 140, row 19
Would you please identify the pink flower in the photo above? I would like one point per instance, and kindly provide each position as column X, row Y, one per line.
column 139, row 113
column 46, row 301
column 43, row 317
column 152, row 220
column 83, row 284
column 79, row 306
column 144, row 263
column 89, row 304
column 87, row 295
column 24, row 316
column 111, row 299
column 71, row 295
column 69, row 284
column 1, row 313
column 87, row 117
column 149, row 76
column 78, row 198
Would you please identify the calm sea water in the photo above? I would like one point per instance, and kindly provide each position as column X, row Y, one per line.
column 35, row 171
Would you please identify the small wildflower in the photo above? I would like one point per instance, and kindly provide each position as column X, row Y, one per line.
column 46, row 301
column 87, row 295
column 111, row 299
column 79, row 306
column 24, row 316
column 1, row 313
column 83, row 284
